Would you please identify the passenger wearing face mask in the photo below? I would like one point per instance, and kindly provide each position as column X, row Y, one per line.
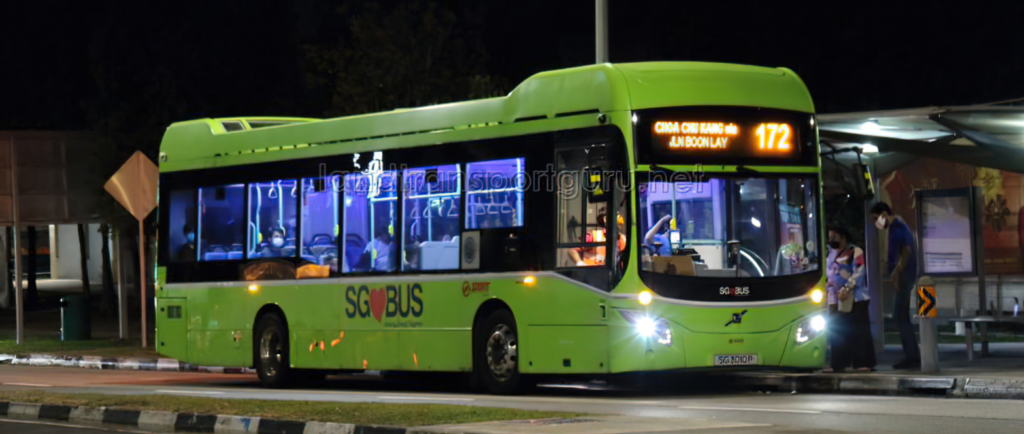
column 849, row 322
column 903, row 276
column 187, row 251
column 275, row 248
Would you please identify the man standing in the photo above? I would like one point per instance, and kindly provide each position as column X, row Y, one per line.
column 903, row 274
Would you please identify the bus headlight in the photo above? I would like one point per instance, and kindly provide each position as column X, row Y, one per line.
column 647, row 326
column 810, row 329
column 817, row 296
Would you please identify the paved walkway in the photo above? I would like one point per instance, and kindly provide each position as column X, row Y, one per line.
column 1005, row 359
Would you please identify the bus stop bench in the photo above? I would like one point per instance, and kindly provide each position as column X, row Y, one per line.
column 969, row 333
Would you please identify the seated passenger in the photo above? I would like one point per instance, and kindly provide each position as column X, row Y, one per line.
column 187, row 251
column 412, row 257
column 379, row 250
column 276, row 247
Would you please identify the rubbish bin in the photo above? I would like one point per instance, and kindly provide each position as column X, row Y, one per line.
column 75, row 318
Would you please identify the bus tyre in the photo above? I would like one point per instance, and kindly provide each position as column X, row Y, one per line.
column 497, row 352
column 272, row 364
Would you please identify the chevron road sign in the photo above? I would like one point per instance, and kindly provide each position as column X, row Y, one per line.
column 926, row 304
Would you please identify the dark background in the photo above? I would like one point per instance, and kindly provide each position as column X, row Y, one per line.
column 129, row 68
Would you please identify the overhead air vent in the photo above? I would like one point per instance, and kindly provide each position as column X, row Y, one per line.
column 264, row 124
column 231, row 126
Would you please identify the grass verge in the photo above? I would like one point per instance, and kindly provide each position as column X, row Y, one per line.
column 96, row 347
column 402, row 415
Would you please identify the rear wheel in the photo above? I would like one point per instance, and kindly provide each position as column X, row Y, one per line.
column 272, row 364
column 497, row 352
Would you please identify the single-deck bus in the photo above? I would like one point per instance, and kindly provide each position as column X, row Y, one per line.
column 604, row 219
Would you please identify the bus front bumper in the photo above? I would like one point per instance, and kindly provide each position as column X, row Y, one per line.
column 790, row 347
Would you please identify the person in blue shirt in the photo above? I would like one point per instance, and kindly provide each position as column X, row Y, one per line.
column 656, row 239
column 902, row 262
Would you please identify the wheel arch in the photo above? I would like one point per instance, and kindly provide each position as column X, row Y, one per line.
column 486, row 308
column 266, row 309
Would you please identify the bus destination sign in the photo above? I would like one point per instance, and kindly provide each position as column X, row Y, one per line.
column 714, row 138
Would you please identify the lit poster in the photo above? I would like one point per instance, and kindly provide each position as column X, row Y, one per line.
column 947, row 235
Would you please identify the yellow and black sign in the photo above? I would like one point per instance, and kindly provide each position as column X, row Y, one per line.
column 926, row 304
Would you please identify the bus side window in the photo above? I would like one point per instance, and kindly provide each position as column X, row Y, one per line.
column 318, row 236
column 431, row 201
column 370, row 207
column 272, row 219
column 494, row 194
column 181, row 244
column 221, row 226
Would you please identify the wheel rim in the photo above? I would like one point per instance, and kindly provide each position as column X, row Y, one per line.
column 502, row 352
column 271, row 351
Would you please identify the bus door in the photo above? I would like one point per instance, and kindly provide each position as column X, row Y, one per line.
column 586, row 221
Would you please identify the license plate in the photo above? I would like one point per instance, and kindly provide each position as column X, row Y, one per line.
column 736, row 360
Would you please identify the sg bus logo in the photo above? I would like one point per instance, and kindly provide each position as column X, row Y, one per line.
column 734, row 291
column 390, row 301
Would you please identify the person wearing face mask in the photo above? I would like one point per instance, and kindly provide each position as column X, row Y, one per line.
column 275, row 248
column 902, row 274
column 187, row 251
column 849, row 320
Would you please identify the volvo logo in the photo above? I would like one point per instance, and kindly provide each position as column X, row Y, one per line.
column 736, row 318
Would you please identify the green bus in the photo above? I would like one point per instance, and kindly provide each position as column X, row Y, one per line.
column 597, row 220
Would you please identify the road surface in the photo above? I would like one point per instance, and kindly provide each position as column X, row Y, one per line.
column 783, row 411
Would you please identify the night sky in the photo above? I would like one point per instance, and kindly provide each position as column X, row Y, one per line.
column 77, row 65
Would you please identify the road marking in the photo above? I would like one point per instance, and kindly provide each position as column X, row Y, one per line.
column 27, row 384
column 189, row 392
column 67, row 425
column 772, row 410
column 423, row 398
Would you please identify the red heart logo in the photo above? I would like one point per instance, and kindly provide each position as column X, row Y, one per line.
column 378, row 301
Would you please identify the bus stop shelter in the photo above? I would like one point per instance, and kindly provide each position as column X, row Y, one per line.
column 48, row 178
column 935, row 148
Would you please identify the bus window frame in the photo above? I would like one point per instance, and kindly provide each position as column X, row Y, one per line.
column 705, row 288
column 536, row 238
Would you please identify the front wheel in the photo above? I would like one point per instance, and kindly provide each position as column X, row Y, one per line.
column 272, row 364
column 497, row 352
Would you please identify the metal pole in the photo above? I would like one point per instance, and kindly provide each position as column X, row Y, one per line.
column 874, row 254
column 5, row 283
column 122, row 288
column 929, row 333
column 979, row 252
column 142, row 283
column 19, row 298
column 602, row 30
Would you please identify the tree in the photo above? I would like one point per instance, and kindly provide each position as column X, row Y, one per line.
column 407, row 55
